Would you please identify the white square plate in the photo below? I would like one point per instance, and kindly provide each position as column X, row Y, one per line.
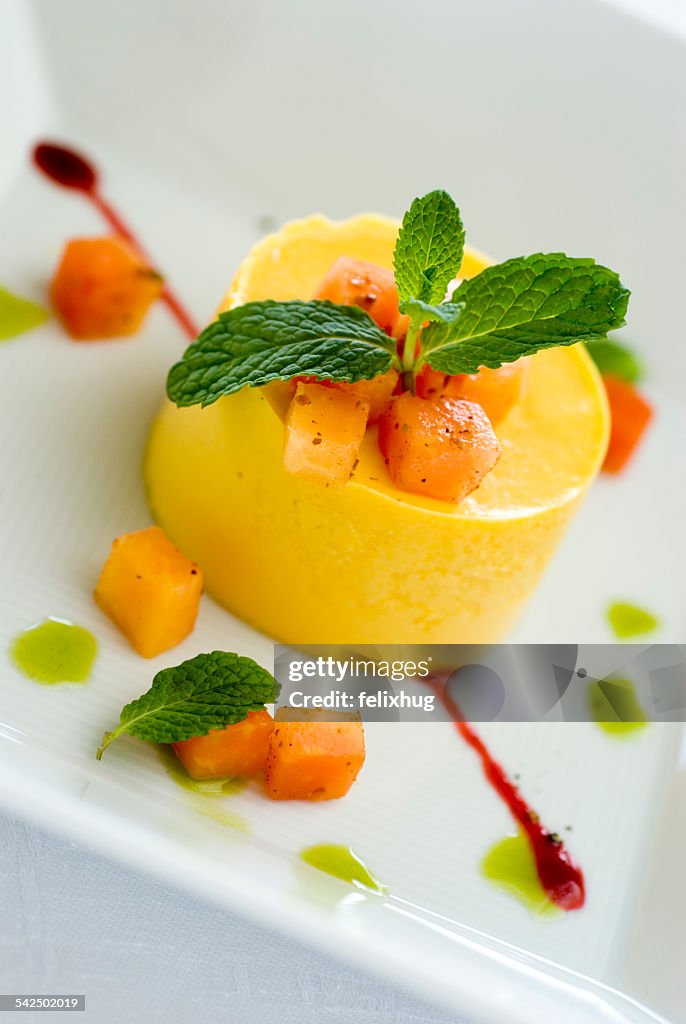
column 205, row 121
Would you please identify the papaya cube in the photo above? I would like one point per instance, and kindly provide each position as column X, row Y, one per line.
column 102, row 288
column 352, row 282
column 237, row 752
column 377, row 391
column 313, row 760
column 439, row 448
column 150, row 590
column 630, row 415
column 324, row 430
column 496, row 391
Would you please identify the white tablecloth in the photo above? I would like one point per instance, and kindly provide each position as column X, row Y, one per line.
column 72, row 921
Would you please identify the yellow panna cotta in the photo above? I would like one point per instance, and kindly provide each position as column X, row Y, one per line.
column 368, row 563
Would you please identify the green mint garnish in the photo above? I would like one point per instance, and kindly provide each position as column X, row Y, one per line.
column 419, row 312
column 615, row 359
column 264, row 341
column 429, row 249
column 18, row 315
column 507, row 311
column 208, row 692
column 519, row 307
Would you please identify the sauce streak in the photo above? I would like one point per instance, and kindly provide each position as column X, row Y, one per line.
column 70, row 169
column 561, row 879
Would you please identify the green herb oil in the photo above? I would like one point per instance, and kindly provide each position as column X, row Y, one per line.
column 18, row 315
column 204, row 795
column 204, row 787
column 55, row 651
column 629, row 620
column 510, row 865
column 615, row 706
column 344, row 863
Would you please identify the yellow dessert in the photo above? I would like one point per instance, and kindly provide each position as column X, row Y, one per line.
column 366, row 562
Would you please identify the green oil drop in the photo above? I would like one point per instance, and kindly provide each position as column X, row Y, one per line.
column 343, row 863
column 200, row 790
column 55, row 651
column 18, row 315
column 615, row 706
column 510, row 865
column 629, row 620
column 222, row 816
column 203, row 787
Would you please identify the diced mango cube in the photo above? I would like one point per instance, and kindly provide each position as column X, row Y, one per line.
column 150, row 590
column 313, row 760
column 630, row 415
column 324, row 430
column 102, row 288
column 239, row 751
column 440, row 448
column 377, row 391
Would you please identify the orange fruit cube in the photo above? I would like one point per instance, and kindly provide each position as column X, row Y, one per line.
column 102, row 288
column 237, row 752
column 313, row 760
column 150, row 590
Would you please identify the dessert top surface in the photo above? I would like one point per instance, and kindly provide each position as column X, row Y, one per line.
column 553, row 441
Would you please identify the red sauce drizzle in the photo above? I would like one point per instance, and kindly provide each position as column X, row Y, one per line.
column 70, row 169
column 561, row 878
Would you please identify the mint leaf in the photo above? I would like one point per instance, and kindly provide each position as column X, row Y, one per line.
column 524, row 305
column 616, row 359
column 18, row 315
column 420, row 312
column 429, row 249
column 264, row 341
column 208, row 692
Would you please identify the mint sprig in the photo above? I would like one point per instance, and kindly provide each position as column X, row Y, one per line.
column 519, row 307
column 429, row 249
column 422, row 312
column 265, row 341
column 507, row 311
column 207, row 692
